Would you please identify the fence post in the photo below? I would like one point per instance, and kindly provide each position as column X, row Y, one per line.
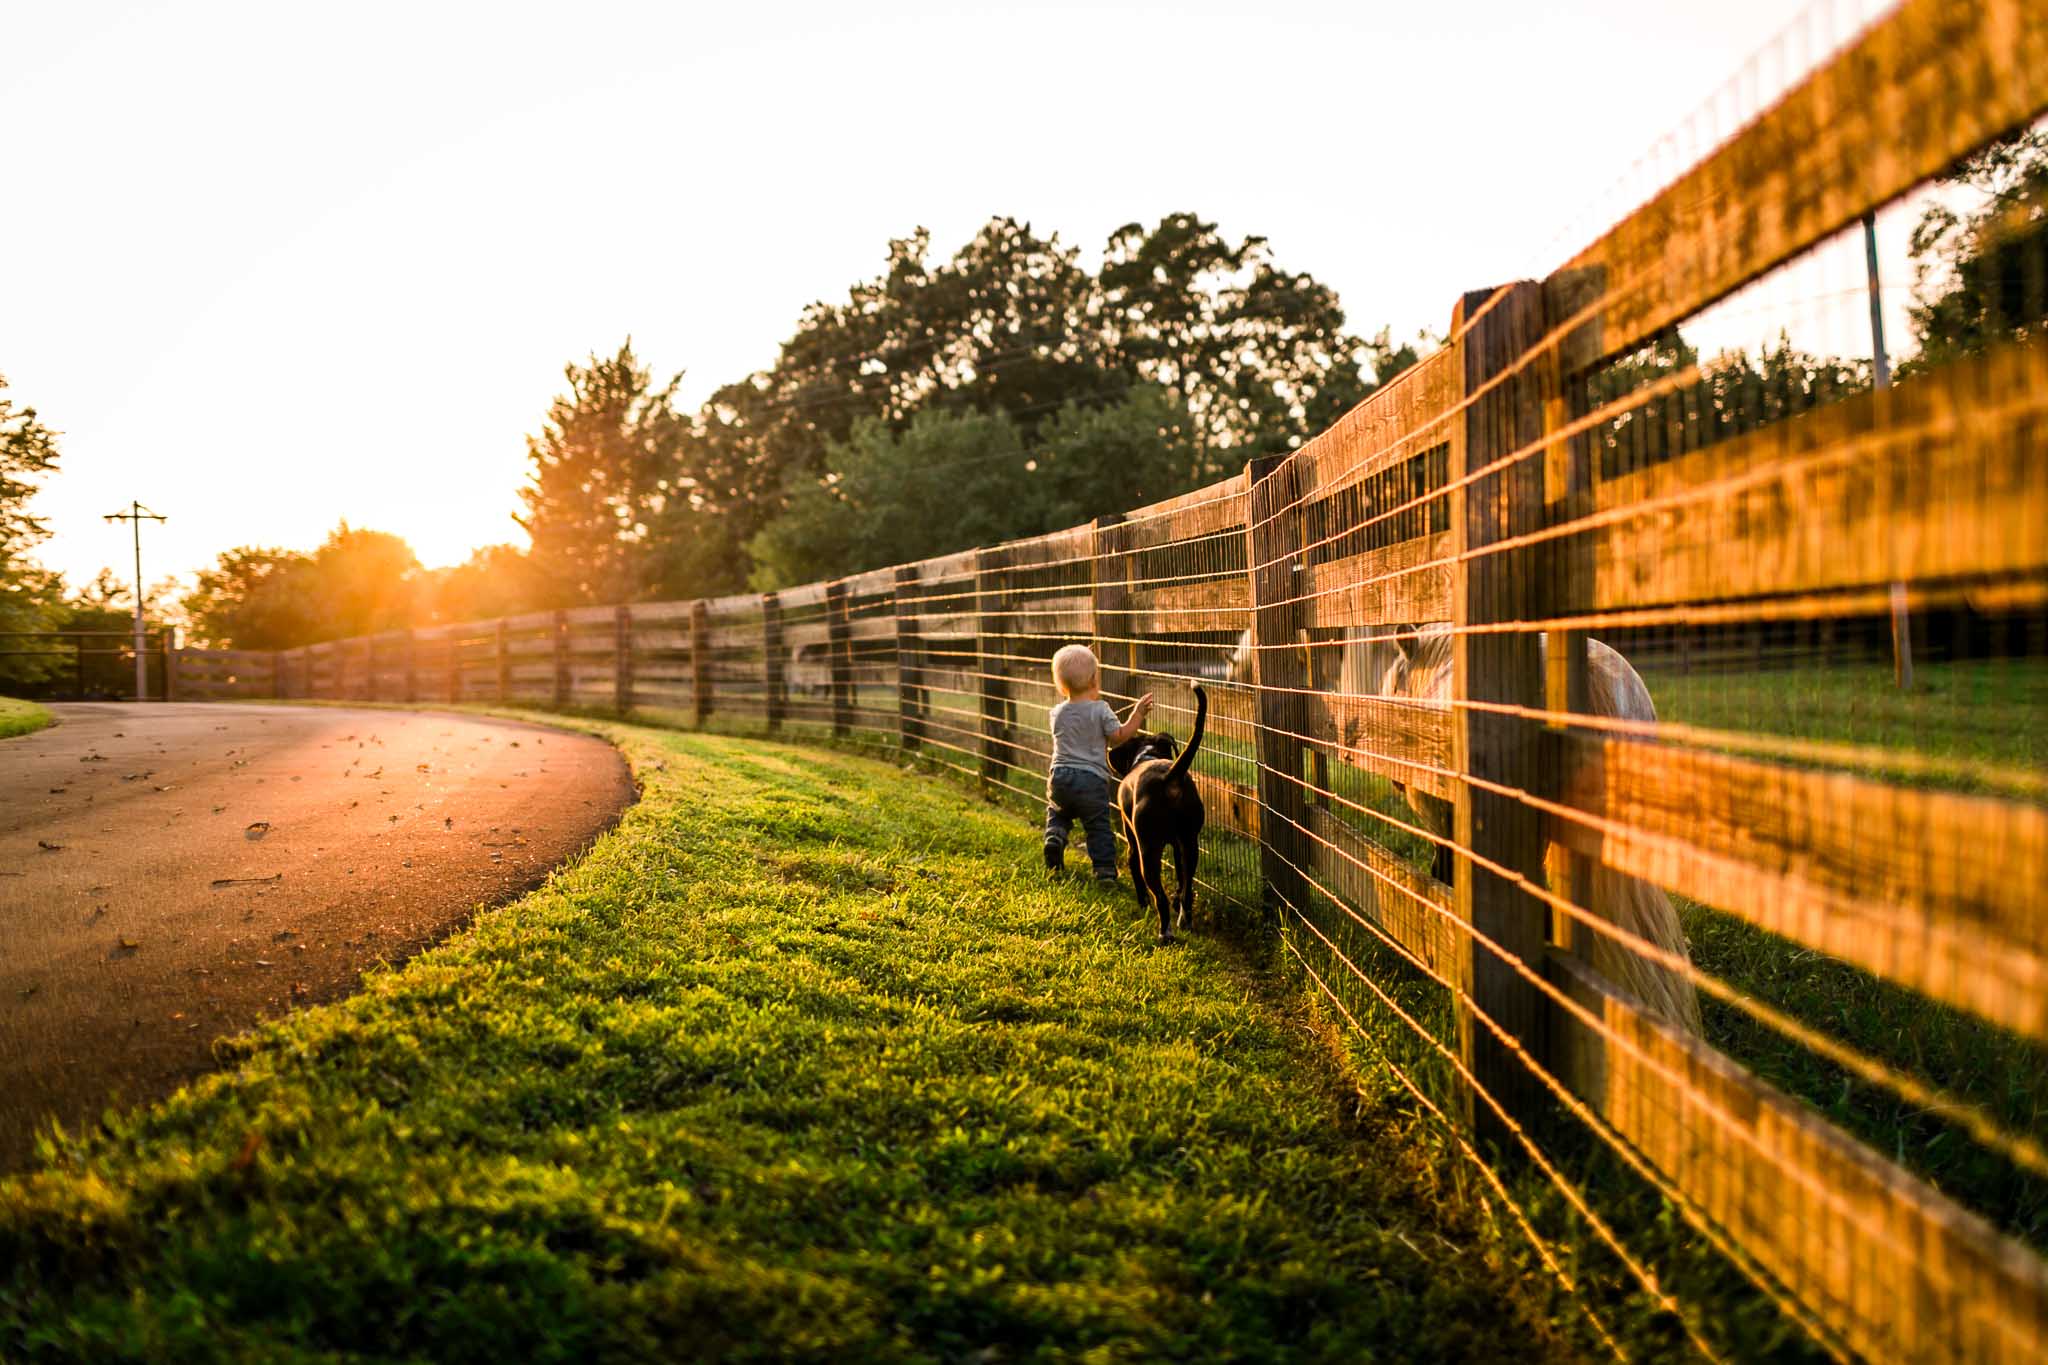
column 622, row 659
column 839, row 632
column 1566, row 582
column 700, row 661
column 1109, row 572
column 412, row 666
column 277, row 675
column 989, row 601
column 772, row 658
column 561, row 658
column 169, row 640
column 1272, row 553
column 504, row 664
column 454, row 666
column 909, row 659
column 1502, row 754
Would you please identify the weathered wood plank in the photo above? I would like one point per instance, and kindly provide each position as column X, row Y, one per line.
column 1397, row 422
column 1229, row 805
column 1211, row 604
column 1411, row 907
column 1894, row 1269
column 1212, row 510
column 1404, row 741
column 1931, row 83
column 1937, row 891
column 1409, row 581
column 1870, row 490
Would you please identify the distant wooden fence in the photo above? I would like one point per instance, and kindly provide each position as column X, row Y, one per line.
column 1473, row 491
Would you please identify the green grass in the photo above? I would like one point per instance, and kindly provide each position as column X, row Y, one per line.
column 1974, row 713
column 21, row 717
column 1991, row 712
column 807, row 1060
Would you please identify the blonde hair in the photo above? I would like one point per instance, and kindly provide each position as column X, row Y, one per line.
column 1073, row 668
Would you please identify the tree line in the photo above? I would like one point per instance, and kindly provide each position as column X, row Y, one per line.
column 947, row 402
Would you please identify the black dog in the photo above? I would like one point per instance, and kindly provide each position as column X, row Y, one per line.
column 1159, row 805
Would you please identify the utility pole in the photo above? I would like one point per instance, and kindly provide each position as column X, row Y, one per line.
column 136, row 515
column 1881, row 372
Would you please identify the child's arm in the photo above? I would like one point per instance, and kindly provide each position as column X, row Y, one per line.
column 1136, row 721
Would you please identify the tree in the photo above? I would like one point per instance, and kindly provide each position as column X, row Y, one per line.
column 1258, row 355
column 952, row 480
column 358, row 582
column 604, row 470
column 29, row 595
column 255, row 598
column 496, row 580
column 1982, row 275
column 1253, row 358
column 28, row 450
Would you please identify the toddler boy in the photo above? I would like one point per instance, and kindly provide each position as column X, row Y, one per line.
column 1080, row 785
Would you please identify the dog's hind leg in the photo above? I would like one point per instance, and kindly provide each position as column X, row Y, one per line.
column 1155, row 858
column 1137, row 869
column 1186, row 853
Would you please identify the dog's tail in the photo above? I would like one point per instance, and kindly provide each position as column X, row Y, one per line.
column 1187, row 755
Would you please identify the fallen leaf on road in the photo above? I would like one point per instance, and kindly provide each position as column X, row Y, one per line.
column 46, row 846
column 218, row 809
column 423, row 767
column 247, row 881
column 58, row 791
column 164, row 788
column 257, row 830
column 92, row 758
column 448, row 822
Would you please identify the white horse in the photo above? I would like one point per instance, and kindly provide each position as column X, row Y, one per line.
column 1614, row 689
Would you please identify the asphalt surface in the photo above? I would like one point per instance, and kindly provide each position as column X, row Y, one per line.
column 171, row 874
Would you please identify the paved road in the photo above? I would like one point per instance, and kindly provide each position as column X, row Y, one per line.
column 169, row 874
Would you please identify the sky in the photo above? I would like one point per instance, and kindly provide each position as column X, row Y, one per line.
column 268, row 267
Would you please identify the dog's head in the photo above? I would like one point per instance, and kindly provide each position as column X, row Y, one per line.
column 1140, row 748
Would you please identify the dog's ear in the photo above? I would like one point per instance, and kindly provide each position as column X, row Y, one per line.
column 1124, row 755
column 1406, row 638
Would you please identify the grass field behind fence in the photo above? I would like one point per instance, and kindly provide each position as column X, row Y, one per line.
column 807, row 1059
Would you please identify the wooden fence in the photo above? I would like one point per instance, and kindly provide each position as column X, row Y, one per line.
column 1478, row 490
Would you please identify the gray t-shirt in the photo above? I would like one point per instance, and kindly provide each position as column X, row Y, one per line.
column 1080, row 736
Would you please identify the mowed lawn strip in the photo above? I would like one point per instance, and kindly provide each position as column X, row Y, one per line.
column 807, row 1060
column 19, row 717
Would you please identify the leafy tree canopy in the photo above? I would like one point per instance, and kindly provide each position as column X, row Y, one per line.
column 951, row 480
column 357, row 583
column 603, row 470
column 1981, row 275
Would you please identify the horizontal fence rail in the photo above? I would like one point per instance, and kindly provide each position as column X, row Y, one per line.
column 1422, row 636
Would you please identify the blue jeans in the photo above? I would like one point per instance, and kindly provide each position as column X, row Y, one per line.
column 1077, row 794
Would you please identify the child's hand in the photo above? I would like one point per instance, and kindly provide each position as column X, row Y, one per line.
column 1144, row 707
